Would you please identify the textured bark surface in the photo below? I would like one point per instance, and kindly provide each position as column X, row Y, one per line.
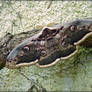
column 9, row 41
column 22, row 16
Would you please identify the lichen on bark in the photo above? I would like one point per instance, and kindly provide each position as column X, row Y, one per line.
column 22, row 16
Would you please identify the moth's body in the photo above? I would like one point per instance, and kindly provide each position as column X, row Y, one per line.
column 51, row 44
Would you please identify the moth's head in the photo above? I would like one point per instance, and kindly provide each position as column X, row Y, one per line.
column 26, row 53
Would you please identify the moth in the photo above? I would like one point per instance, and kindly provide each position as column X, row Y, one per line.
column 52, row 44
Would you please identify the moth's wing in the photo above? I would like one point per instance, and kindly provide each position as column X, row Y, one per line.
column 57, row 56
column 86, row 41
